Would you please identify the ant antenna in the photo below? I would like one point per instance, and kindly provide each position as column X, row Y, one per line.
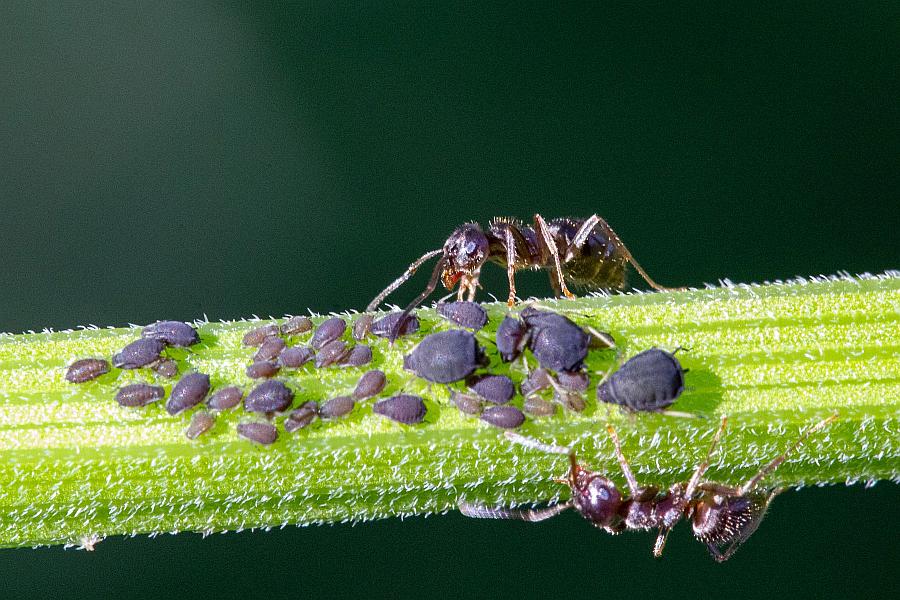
column 410, row 271
column 432, row 284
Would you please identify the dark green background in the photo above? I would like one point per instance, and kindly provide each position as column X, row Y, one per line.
column 170, row 161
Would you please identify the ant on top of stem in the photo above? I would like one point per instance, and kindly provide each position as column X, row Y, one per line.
column 722, row 517
column 583, row 253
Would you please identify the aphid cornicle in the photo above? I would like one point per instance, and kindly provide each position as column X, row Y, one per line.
column 722, row 516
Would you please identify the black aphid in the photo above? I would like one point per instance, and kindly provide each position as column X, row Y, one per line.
column 511, row 338
column 446, row 356
column 139, row 394
column 225, row 398
column 384, row 327
column 262, row 369
column 139, row 353
column 336, row 407
column 269, row 349
column 404, row 408
column 261, row 433
column 330, row 329
column 166, row 367
column 257, row 336
column 537, row 380
column 498, row 389
column 86, row 369
column 173, row 333
column 296, row 356
column 505, row 417
column 466, row 314
column 301, row 416
column 470, row 404
column 268, row 397
column 649, row 381
column 190, row 391
column 331, row 353
column 573, row 381
column 358, row 356
column 361, row 327
column 201, row 422
column 556, row 342
column 370, row 384
column 296, row 326
column 539, row 407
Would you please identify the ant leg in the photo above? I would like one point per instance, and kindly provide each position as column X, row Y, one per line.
column 661, row 541
column 518, row 438
column 479, row 511
column 511, row 267
column 554, row 252
column 410, row 271
column 703, row 466
column 776, row 462
column 604, row 226
column 629, row 476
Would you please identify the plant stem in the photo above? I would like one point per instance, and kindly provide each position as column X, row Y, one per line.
column 775, row 358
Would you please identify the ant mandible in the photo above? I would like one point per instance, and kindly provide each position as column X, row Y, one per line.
column 722, row 517
column 584, row 252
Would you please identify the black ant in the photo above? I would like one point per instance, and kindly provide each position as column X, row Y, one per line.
column 723, row 517
column 584, row 252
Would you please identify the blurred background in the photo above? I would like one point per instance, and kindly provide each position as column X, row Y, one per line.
column 175, row 160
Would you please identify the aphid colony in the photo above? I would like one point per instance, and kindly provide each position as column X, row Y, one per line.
column 650, row 381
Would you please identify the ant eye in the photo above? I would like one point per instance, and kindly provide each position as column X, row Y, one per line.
column 470, row 247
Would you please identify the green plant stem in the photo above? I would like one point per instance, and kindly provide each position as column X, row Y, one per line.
column 774, row 358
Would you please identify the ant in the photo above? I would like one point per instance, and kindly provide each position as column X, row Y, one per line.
column 585, row 252
column 723, row 517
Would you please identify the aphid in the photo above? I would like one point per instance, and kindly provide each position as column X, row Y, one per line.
column 257, row 336
column 295, row 356
column 301, row 416
column 225, row 398
column 270, row 349
column 537, row 380
column 361, row 327
column 331, row 353
column 262, row 369
column 190, row 391
column 649, row 381
column 389, row 326
column 296, row 326
column 336, row 407
column 403, row 408
column 498, row 389
column 466, row 314
column 446, row 356
column 358, row 356
column 469, row 404
column 269, row 397
column 86, row 369
column 166, row 367
column 573, row 401
column 722, row 517
column 261, row 433
column 556, row 342
column 575, row 381
column 173, row 333
column 539, row 407
column 139, row 353
column 579, row 252
column 330, row 329
column 505, row 417
column 139, row 394
column 370, row 384
column 512, row 335
column 201, row 422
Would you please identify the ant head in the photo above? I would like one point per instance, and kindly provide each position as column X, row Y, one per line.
column 464, row 252
column 598, row 500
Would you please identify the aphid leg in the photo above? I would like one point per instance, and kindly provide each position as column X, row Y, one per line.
column 541, row 226
column 661, row 541
column 776, row 462
column 479, row 511
column 611, row 235
column 626, row 469
column 703, row 466
column 602, row 337
column 511, row 267
column 410, row 271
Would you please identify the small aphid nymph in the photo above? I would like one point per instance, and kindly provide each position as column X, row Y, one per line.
column 225, row 398
column 465, row 314
column 301, row 416
column 190, row 391
column 260, row 433
column 331, row 353
column 139, row 353
column 262, row 369
column 269, row 397
column 336, row 407
column 403, row 408
column 296, row 326
column 86, row 369
column 296, row 356
column 139, row 394
column 505, row 417
column 201, row 422
column 330, row 329
column 269, row 349
column 173, row 333
column 257, row 336
column 370, row 384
